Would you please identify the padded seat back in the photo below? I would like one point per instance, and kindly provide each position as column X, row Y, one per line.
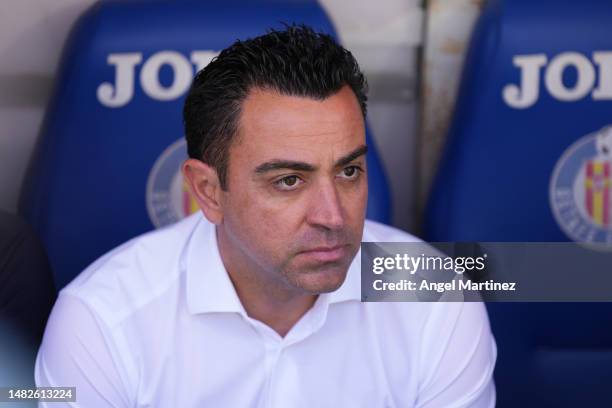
column 528, row 158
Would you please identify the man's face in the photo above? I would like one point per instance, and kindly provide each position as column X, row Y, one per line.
column 297, row 188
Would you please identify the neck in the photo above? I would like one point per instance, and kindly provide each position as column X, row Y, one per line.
column 264, row 294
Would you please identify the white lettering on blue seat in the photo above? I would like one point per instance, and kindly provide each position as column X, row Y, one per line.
column 120, row 92
column 588, row 74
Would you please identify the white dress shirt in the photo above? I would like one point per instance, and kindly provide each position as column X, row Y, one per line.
column 157, row 323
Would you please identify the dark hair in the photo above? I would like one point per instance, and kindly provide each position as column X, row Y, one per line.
column 295, row 61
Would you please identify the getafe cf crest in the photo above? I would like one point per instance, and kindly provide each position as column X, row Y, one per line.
column 168, row 199
column 581, row 189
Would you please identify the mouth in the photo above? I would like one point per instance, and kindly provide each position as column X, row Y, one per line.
column 326, row 253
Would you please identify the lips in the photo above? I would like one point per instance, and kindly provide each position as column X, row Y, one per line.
column 326, row 253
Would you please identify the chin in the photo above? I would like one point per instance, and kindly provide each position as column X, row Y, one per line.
column 322, row 279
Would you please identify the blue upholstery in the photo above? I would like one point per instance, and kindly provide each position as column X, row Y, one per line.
column 493, row 185
column 86, row 191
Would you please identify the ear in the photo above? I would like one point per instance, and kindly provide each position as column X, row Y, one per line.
column 205, row 188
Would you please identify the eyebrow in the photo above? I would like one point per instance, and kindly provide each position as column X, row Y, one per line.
column 360, row 151
column 302, row 166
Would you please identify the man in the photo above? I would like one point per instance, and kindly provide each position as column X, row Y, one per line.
column 257, row 302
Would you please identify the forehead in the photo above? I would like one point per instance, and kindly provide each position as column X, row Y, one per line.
column 275, row 126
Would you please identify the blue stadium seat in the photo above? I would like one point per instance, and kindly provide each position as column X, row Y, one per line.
column 526, row 156
column 106, row 167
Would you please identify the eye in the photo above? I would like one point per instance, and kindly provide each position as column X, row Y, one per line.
column 350, row 172
column 288, row 183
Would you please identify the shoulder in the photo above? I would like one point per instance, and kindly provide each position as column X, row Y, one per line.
column 135, row 273
column 376, row 232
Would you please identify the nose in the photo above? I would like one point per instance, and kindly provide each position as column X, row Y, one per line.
column 326, row 208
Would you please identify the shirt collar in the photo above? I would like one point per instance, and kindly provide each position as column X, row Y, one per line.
column 351, row 287
column 209, row 288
